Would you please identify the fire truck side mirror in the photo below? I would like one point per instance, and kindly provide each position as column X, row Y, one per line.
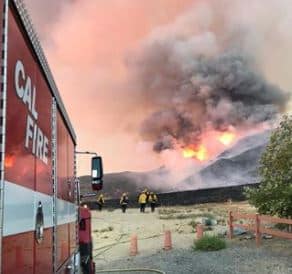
column 96, row 173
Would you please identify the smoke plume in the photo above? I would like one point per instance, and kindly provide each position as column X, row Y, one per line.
column 191, row 66
column 201, row 73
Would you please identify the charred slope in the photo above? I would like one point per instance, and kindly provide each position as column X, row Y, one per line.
column 235, row 166
column 131, row 182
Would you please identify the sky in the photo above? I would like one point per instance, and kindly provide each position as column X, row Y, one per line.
column 90, row 47
column 86, row 45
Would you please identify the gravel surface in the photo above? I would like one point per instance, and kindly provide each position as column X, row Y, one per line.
column 112, row 232
column 239, row 258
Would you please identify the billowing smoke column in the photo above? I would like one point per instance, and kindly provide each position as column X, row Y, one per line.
column 216, row 92
column 201, row 74
column 86, row 43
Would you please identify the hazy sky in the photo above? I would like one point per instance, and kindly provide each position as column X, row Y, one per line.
column 88, row 43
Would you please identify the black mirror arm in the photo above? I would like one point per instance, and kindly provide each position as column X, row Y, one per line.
column 86, row 152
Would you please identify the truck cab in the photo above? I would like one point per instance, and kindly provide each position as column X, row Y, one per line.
column 39, row 201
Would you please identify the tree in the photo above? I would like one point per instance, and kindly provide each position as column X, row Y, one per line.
column 274, row 194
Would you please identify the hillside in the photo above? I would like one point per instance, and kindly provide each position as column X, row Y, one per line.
column 131, row 182
column 235, row 166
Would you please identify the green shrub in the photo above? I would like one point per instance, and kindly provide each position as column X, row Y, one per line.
column 274, row 194
column 208, row 222
column 193, row 223
column 210, row 243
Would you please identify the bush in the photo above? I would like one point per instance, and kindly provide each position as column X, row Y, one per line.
column 210, row 243
column 208, row 222
column 274, row 194
column 193, row 223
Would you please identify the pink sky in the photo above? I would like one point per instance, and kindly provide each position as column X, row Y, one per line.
column 86, row 43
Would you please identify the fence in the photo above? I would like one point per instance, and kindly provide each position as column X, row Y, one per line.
column 257, row 225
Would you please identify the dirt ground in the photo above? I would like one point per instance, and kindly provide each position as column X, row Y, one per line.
column 112, row 231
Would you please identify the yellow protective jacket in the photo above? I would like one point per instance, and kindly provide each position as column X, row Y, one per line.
column 142, row 198
column 153, row 198
column 100, row 200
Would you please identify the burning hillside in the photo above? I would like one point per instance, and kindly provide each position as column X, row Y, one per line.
column 211, row 144
column 235, row 166
column 197, row 89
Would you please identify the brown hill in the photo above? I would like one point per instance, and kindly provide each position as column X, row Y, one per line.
column 235, row 166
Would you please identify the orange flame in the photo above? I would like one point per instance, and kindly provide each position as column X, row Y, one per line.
column 226, row 138
column 9, row 161
column 199, row 153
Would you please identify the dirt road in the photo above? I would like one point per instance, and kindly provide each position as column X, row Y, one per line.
column 112, row 231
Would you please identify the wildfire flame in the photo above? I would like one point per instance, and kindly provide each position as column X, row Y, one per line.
column 199, row 153
column 227, row 138
column 210, row 145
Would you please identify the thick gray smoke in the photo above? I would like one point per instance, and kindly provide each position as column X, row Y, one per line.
column 196, row 77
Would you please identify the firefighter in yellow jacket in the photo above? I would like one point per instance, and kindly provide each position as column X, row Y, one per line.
column 100, row 202
column 153, row 201
column 142, row 201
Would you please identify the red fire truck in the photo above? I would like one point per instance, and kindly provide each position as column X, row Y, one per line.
column 43, row 229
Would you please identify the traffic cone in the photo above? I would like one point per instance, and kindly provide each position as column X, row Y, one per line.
column 134, row 245
column 200, row 231
column 167, row 240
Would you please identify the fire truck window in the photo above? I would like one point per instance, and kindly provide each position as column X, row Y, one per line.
column 82, row 224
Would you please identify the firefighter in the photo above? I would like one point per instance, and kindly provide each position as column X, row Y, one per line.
column 124, row 202
column 142, row 200
column 147, row 195
column 100, row 202
column 153, row 200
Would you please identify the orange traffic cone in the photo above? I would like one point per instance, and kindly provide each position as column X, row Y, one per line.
column 200, row 231
column 134, row 245
column 167, row 240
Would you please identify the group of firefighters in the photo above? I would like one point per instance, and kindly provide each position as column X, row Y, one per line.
column 145, row 197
